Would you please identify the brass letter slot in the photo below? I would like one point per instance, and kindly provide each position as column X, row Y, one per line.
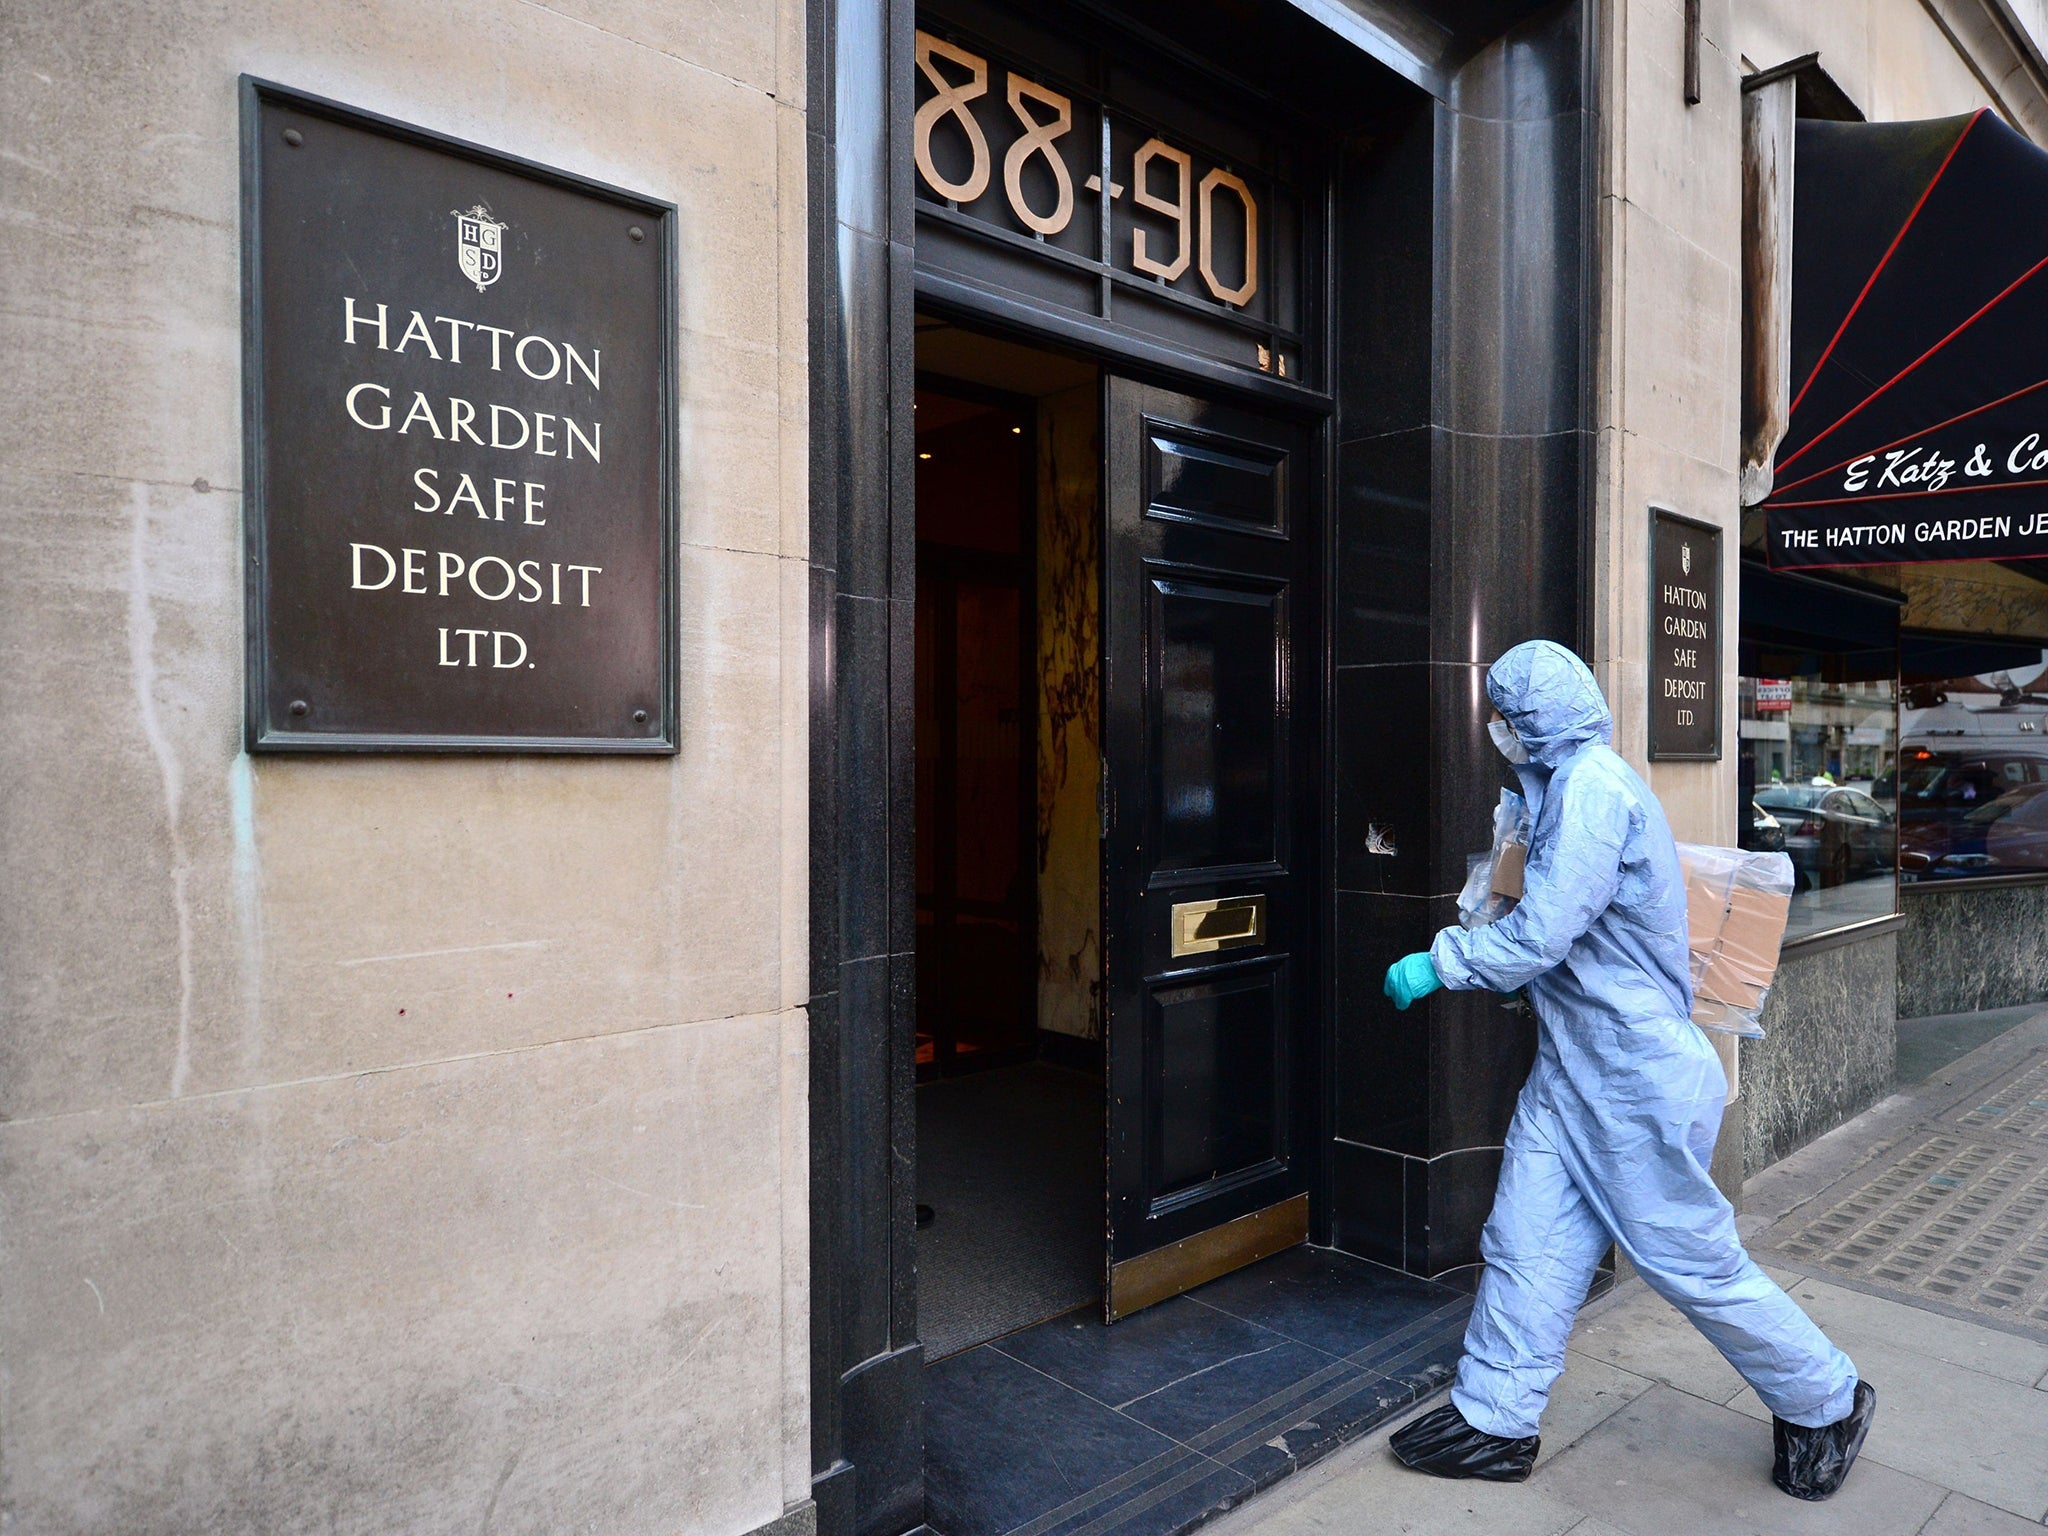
column 1200, row 927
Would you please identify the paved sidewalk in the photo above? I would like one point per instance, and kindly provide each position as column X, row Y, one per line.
column 1650, row 1433
column 1938, row 1196
column 1929, row 1046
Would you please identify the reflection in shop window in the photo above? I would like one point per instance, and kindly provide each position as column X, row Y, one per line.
column 1818, row 771
column 1973, row 774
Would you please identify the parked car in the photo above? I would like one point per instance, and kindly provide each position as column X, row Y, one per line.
column 2012, row 831
column 1834, row 835
column 1942, row 835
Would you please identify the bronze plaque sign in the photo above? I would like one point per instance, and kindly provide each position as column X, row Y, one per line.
column 459, row 401
column 1685, row 638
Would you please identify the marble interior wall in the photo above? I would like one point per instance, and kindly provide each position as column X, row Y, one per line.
column 1069, row 713
column 1974, row 596
column 1971, row 596
column 1967, row 949
column 1830, row 1035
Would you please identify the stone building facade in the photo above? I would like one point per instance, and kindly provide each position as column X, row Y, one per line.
column 402, row 1142
column 1674, row 227
column 406, row 1143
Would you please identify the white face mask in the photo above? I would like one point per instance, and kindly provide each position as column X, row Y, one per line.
column 1509, row 743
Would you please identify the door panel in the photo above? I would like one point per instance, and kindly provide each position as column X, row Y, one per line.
column 1213, row 1038
column 1212, row 651
column 1217, row 739
column 1204, row 482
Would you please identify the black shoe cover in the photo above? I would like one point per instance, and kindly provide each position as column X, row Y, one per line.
column 1813, row 1463
column 1444, row 1445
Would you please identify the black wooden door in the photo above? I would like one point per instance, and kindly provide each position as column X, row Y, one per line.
column 1212, row 688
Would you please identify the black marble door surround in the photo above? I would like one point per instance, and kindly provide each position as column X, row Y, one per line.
column 1464, row 486
column 1462, row 463
column 867, row 1386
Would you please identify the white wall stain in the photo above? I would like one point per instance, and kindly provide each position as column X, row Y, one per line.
column 143, row 676
column 459, row 949
column 13, row 158
column 248, row 889
column 681, row 1205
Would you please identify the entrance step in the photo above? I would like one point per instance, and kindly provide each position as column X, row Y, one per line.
column 1153, row 1425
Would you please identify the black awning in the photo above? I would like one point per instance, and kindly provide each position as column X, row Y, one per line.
column 1919, row 421
column 1934, row 658
column 1818, row 613
column 1837, row 626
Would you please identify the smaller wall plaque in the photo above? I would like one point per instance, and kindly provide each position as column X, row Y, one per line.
column 1685, row 638
column 459, row 408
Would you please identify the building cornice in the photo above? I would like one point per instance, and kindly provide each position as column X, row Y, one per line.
column 2004, row 57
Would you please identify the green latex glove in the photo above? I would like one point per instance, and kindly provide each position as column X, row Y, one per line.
column 1411, row 977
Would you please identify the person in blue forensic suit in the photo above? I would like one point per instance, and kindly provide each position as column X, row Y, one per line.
column 1616, row 1124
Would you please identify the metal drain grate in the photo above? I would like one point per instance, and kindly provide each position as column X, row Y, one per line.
column 1959, row 1219
column 2018, row 1108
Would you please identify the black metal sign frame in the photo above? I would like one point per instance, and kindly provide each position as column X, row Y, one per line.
column 272, row 725
column 1679, row 730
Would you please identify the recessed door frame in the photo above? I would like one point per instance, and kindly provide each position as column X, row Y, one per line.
column 866, row 1359
column 1540, row 61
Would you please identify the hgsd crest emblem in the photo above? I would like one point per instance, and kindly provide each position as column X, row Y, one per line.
column 479, row 245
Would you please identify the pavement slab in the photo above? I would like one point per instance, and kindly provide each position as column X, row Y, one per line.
column 1962, row 1220
column 1650, row 1338
column 1588, row 1394
column 1927, row 1046
column 1939, row 1194
column 1670, row 1463
column 1794, row 1187
column 1960, row 1516
column 1849, row 1316
column 1381, row 1496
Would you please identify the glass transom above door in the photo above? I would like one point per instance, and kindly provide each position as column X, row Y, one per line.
column 1110, row 197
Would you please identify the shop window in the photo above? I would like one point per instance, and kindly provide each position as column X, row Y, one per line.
column 1818, row 769
column 1973, row 759
column 1818, row 741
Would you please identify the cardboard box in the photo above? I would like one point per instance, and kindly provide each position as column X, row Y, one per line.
column 1706, row 905
column 1746, row 956
column 1507, row 870
column 1734, row 931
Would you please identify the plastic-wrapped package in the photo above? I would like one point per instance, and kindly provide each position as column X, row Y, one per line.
column 1736, row 905
column 1493, row 879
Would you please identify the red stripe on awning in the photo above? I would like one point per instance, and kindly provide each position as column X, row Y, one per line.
column 1871, row 281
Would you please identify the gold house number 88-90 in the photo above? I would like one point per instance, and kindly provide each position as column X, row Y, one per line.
column 1190, row 206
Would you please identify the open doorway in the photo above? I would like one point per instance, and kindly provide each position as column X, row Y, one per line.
column 1119, row 668
column 1009, row 997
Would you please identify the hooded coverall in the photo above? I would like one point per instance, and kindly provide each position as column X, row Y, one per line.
column 1616, row 1124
